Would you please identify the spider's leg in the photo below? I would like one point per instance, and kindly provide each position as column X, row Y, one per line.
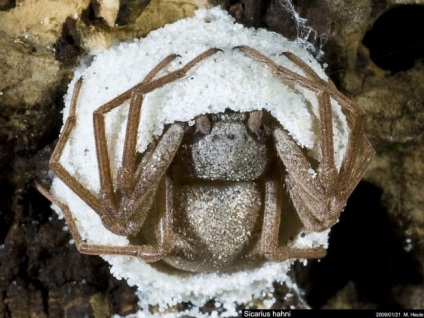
column 59, row 169
column 107, row 196
column 126, row 174
column 283, row 72
column 149, row 174
column 135, row 198
column 270, row 246
column 146, row 252
column 136, row 203
column 304, row 66
column 149, row 84
column 360, row 163
column 320, row 199
column 135, row 93
column 107, row 192
column 297, row 166
column 105, row 205
column 164, row 216
column 315, row 83
column 125, row 214
column 327, row 172
column 358, row 146
column 359, row 153
column 321, row 210
column 168, row 145
column 146, row 87
column 86, row 195
column 320, row 213
column 317, row 199
column 306, row 191
column 275, row 68
column 162, row 64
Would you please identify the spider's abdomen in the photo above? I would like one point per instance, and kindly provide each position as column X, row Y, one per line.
column 216, row 225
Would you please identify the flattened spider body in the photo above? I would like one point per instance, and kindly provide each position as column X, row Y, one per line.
column 209, row 197
column 217, row 178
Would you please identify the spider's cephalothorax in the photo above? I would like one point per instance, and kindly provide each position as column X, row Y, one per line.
column 209, row 197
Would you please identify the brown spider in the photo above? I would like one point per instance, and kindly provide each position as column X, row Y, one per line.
column 213, row 199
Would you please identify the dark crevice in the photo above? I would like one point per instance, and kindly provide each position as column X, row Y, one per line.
column 7, row 4
column 129, row 11
column 68, row 46
column 364, row 249
column 396, row 40
column 6, row 216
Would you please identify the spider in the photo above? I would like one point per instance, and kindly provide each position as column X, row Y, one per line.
column 212, row 200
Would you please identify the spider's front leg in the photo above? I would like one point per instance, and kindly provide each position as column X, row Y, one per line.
column 124, row 207
column 320, row 196
column 320, row 200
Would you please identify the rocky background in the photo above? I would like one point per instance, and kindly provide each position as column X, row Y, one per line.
column 374, row 50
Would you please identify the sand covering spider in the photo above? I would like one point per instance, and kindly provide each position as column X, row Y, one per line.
column 148, row 198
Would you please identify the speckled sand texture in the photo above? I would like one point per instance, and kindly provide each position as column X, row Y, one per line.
column 226, row 80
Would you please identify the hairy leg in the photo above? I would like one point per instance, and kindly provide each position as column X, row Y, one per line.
column 270, row 246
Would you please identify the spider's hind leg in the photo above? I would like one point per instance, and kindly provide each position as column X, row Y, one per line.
column 147, row 253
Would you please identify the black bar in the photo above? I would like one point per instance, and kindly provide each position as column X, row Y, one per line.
column 300, row 313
